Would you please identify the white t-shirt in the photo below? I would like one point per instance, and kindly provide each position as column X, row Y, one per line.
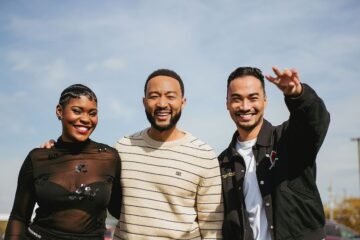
column 253, row 199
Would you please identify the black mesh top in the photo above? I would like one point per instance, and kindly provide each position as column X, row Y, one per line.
column 73, row 185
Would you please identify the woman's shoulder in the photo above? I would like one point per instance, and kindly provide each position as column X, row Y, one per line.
column 103, row 147
column 38, row 154
column 38, row 151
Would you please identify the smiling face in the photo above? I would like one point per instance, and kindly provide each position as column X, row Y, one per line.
column 79, row 118
column 163, row 102
column 246, row 102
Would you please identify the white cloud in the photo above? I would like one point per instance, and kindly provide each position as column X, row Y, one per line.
column 115, row 109
column 111, row 63
column 42, row 70
column 115, row 64
column 56, row 71
column 21, row 62
column 90, row 67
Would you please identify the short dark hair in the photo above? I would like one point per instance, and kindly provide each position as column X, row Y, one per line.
column 168, row 73
column 247, row 71
column 75, row 91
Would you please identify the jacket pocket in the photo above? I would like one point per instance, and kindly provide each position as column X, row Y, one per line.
column 294, row 187
column 301, row 211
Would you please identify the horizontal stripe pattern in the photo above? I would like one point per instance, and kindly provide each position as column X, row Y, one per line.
column 171, row 190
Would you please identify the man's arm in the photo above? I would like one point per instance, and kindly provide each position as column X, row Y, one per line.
column 210, row 209
column 308, row 123
column 114, row 205
column 309, row 119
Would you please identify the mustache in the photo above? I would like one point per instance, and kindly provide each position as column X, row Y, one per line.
column 238, row 113
column 157, row 109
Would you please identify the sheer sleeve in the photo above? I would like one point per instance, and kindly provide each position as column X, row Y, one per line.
column 23, row 204
column 114, row 206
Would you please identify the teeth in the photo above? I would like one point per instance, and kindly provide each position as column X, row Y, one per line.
column 243, row 115
column 162, row 113
column 82, row 129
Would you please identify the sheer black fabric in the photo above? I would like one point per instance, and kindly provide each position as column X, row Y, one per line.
column 73, row 185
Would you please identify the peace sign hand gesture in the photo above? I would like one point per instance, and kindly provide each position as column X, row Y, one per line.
column 287, row 81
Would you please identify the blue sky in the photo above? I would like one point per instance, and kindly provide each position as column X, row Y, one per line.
column 112, row 46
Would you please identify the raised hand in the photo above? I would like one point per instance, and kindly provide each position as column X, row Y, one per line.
column 287, row 81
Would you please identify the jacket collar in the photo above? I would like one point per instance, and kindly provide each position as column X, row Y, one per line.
column 263, row 139
column 265, row 134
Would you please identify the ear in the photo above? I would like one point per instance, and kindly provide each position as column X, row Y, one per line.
column 265, row 101
column 227, row 99
column 144, row 99
column 183, row 103
column 59, row 111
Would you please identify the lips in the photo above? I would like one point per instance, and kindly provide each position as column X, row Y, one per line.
column 82, row 129
column 162, row 115
column 245, row 116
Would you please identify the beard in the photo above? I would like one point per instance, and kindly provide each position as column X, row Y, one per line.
column 173, row 121
column 249, row 127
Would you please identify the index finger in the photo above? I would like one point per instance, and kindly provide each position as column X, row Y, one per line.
column 277, row 71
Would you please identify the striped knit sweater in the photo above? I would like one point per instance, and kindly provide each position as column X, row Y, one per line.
column 171, row 190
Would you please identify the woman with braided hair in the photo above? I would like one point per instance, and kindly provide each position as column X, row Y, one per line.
column 73, row 183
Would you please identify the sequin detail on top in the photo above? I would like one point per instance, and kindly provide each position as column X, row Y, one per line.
column 81, row 167
column 84, row 192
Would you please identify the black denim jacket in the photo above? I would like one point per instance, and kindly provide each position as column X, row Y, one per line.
column 286, row 173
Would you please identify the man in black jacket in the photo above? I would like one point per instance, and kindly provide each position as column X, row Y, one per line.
column 269, row 172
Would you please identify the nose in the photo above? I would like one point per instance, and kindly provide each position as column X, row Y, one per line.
column 84, row 118
column 245, row 105
column 162, row 102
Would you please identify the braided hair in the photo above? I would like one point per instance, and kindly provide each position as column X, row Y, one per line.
column 75, row 91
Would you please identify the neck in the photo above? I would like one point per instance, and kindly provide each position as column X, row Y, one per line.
column 249, row 134
column 165, row 136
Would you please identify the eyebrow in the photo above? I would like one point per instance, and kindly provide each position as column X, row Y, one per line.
column 250, row 95
column 157, row 92
column 82, row 108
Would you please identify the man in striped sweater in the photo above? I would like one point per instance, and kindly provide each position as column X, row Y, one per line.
column 170, row 179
